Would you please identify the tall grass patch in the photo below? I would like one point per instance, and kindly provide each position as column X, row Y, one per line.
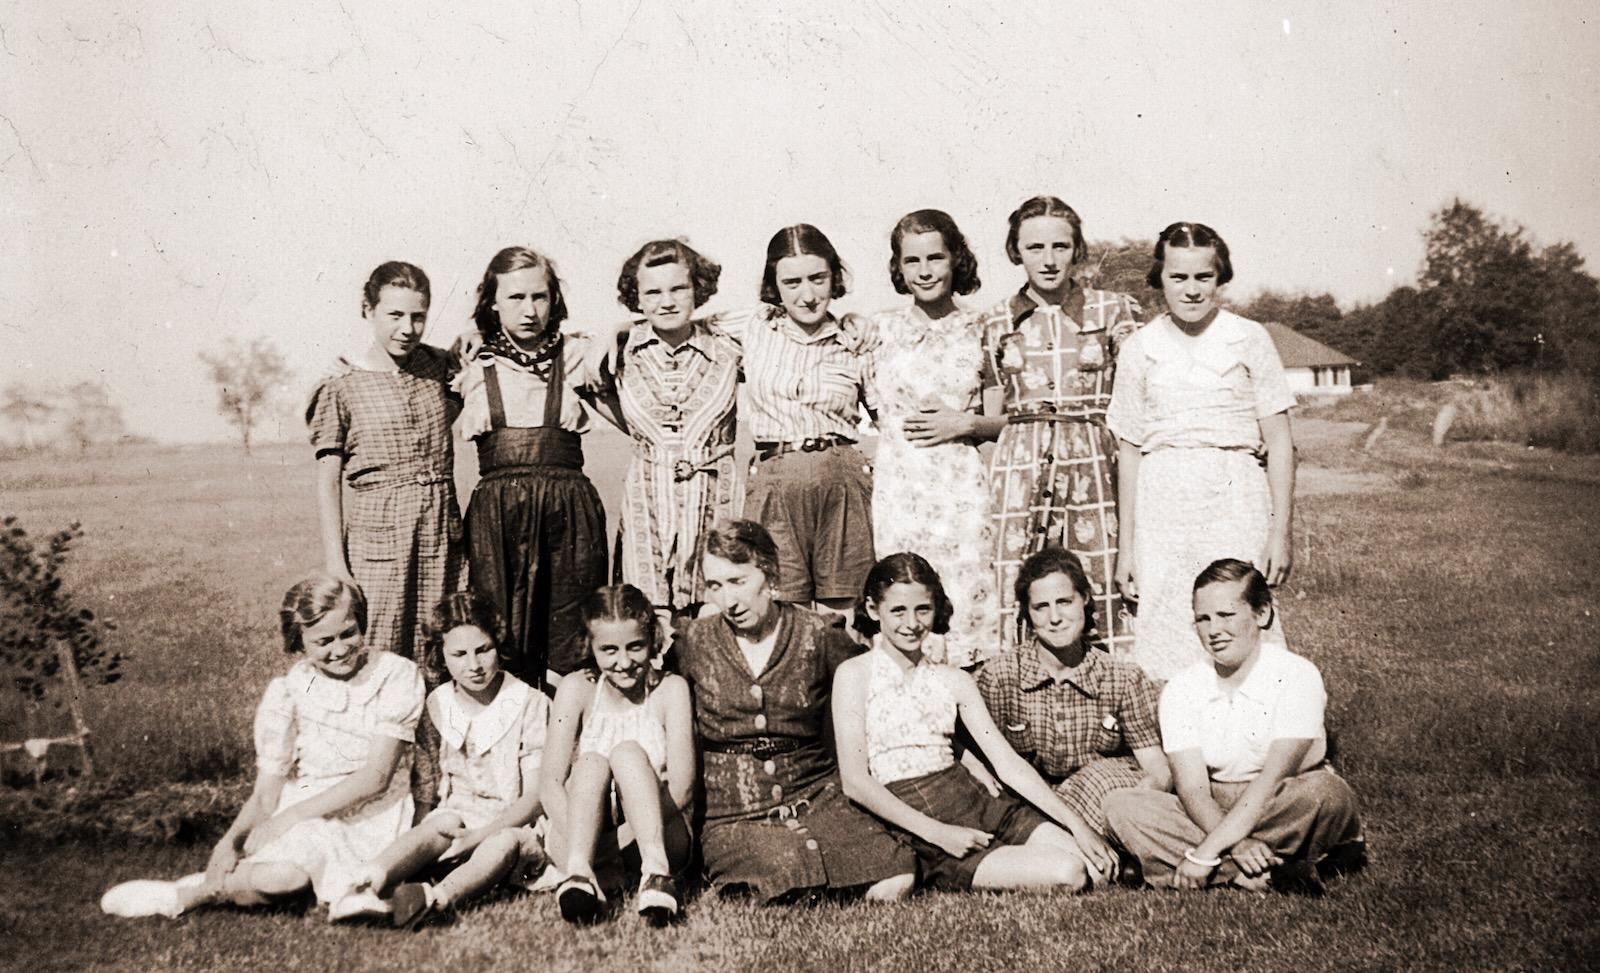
column 1558, row 410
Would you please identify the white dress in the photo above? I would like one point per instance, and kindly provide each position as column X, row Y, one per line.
column 934, row 501
column 481, row 754
column 315, row 732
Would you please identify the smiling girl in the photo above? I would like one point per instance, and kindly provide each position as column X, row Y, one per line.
column 895, row 715
column 381, row 422
column 1052, row 347
column 536, row 532
column 1201, row 406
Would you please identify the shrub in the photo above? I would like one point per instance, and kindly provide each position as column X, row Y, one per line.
column 1559, row 410
column 37, row 612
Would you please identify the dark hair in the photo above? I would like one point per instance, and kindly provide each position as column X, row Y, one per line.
column 456, row 610
column 395, row 273
column 1042, row 564
column 621, row 603
column 1190, row 235
column 1046, row 206
column 1229, row 570
column 902, row 568
column 702, row 272
column 799, row 240
column 507, row 261
column 744, row 542
column 310, row 600
column 965, row 262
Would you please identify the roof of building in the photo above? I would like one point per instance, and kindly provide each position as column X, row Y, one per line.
column 1298, row 351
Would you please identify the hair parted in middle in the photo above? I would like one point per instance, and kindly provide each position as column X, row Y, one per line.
column 452, row 612
column 744, row 542
column 1190, row 235
column 1046, row 206
column 622, row 603
column 703, row 272
column 902, row 568
column 310, row 599
column 1042, row 564
column 799, row 240
column 507, row 261
column 964, row 263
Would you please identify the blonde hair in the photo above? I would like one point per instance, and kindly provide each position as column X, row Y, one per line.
column 311, row 599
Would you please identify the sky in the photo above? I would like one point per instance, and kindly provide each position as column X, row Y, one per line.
column 178, row 174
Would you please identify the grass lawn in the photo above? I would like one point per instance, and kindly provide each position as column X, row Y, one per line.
column 1449, row 598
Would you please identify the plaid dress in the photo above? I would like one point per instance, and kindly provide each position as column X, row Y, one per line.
column 402, row 525
column 1052, row 476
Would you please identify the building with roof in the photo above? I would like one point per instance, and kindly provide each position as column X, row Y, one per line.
column 1313, row 368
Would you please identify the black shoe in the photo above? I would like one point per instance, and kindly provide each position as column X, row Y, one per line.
column 659, row 899
column 578, row 900
column 411, row 906
column 1297, row 877
column 1345, row 859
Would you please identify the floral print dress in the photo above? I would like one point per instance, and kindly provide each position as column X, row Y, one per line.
column 934, row 500
column 1052, row 477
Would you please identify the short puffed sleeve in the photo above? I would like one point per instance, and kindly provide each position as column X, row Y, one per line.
column 1179, row 714
column 274, row 731
column 535, row 717
column 399, row 701
column 1126, row 415
column 1302, row 701
column 736, row 324
column 1267, row 377
column 328, row 418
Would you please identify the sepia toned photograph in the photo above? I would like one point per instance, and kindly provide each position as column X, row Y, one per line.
column 683, row 485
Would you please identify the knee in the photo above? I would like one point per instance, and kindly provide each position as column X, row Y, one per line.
column 1328, row 791
column 443, row 824
column 1070, row 872
column 500, row 845
column 630, row 756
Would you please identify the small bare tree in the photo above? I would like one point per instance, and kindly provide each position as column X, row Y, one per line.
column 26, row 407
column 246, row 377
column 91, row 415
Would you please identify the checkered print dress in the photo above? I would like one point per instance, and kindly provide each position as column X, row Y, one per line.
column 1052, row 476
column 402, row 525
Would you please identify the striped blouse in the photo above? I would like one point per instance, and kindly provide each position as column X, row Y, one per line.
column 802, row 386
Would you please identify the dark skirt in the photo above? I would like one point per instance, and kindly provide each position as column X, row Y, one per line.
column 536, row 540
column 953, row 796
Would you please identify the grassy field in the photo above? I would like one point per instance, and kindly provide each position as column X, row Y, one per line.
column 1450, row 598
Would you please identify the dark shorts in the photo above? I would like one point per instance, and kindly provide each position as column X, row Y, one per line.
column 952, row 796
column 820, row 841
column 818, row 508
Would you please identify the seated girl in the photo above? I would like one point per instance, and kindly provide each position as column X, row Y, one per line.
column 632, row 727
column 1257, row 806
column 333, row 740
column 1086, row 721
column 895, row 715
column 491, row 737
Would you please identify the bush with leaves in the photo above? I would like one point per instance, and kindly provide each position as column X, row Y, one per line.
column 37, row 612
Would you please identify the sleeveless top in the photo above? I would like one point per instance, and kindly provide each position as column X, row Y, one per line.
column 611, row 720
column 910, row 718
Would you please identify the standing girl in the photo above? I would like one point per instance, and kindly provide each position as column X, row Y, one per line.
column 491, row 727
column 677, row 379
column 1201, row 401
column 930, row 492
column 895, row 714
column 381, row 423
column 632, row 727
column 333, row 739
column 1051, row 347
column 536, row 533
column 808, row 375
column 1086, row 722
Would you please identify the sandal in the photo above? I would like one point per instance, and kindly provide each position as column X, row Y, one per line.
column 579, row 900
column 659, row 899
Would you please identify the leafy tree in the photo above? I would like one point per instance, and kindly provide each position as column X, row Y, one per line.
column 91, row 415
column 1121, row 265
column 1313, row 315
column 26, row 407
column 37, row 612
column 246, row 377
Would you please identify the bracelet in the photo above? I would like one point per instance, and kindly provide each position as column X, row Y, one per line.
column 1189, row 857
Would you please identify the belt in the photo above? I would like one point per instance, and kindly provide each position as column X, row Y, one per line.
column 759, row 747
column 1017, row 418
column 388, row 478
column 815, row 444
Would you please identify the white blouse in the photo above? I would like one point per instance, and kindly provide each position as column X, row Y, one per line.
column 481, row 754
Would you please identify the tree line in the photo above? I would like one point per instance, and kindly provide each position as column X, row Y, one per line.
column 1487, row 299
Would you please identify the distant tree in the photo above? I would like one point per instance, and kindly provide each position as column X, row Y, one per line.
column 1313, row 315
column 26, row 407
column 1394, row 336
column 1121, row 265
column 246, row 377
column 91, row 415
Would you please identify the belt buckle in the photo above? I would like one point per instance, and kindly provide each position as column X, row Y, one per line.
column 425, row 477
column 814, row 444
column 683, row 470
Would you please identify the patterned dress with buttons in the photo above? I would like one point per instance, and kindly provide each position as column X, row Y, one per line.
column 402, row 525
column 679, row 404
column 1052, row 476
